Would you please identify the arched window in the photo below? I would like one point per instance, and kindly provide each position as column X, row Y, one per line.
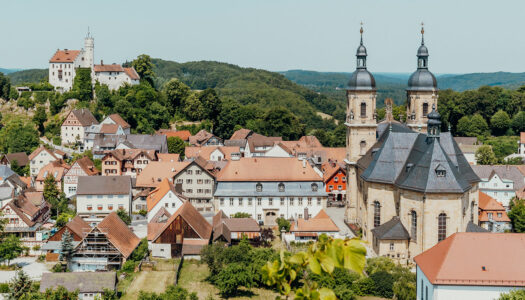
column 413, row 225
column 472, row 211
column 377, row 213
column 281, row 187
column 425, row 109
column 442, row 226
column 314, row 187
column 363, row 110
column 362, row 148
column 258, row 187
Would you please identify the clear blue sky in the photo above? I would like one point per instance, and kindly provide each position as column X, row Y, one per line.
column 463, row 36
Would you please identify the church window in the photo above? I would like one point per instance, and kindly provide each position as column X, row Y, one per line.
column 363, row 110
column 362, row 146
column 413, row 225
column 442, row 227
column 377, row 214
column 391, row 246
column 425, row 109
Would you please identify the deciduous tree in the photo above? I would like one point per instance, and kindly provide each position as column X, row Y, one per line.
column 485, row 155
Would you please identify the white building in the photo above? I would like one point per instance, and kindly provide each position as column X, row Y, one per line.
column 268, row 188
column 98, row 196
column 521, row 144
column 40, row 158
column 75, row 126
column 471, row 265
column 164, row 196
column 500, row 182
column 115, row 76
column 81, row 167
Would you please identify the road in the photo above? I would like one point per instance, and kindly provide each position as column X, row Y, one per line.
column 69, row 151
column 31, row 267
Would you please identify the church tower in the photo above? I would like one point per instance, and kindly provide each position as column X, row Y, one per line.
column 89, row 51
column 422, row 92
column 361, row 123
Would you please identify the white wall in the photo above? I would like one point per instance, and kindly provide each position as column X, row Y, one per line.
column 42, row 159
column 83, row 201
column 114, row 80
column 277, row 151
column 500, row 189
column 170, row 202
column 160, row 250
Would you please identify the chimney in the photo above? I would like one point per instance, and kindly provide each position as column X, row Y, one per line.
column 306, row 214
column 101, row 62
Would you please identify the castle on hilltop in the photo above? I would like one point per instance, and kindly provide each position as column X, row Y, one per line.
column 409, row 184
column 64, row 64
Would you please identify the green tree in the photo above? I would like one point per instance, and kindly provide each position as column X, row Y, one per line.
column 60, row 293
column 18, row 137
column 193, row 108
column 176, row 145
column 324, row 137
column 10, row 248
column 13, row 94
column 518, row 122
column 63, row 219
column 82, row 85
column 478, row 126
column 500, row 122
column 172, row 292
column 279, row 121
column 124, row 216
column 176, row 93
column 40, row 118
column 485, row 155
column 232, row 277
column 383, row 282
column 282, row 223
column 52, row 194
column 517, row 215
column 66, row 247
column 463, row 126
column 5, row 86
column 513, row 295
column 144, row 68
column 20, row 285
column 241, row 215
column 211, row 104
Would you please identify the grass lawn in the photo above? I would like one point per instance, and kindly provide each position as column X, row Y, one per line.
column 193, row 278
column 149, row 281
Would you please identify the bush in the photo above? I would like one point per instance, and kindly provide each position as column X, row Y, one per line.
column 344, row 292
column 57, row 268
column 283, row 223
column 231, row 278
column 364, row 286
column 4, row 288
column 383, row 282
column 143, row 212
column 129, row 266
column 57, row 140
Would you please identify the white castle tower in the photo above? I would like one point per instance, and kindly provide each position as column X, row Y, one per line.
column 89, row 51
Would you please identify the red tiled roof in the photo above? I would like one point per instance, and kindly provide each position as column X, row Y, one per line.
column 119, row 234
column 108, row 68
column 55, row 168
column 330, row 169
column 40, row 149
column 182, row 134
column 168, row 157
column 320, row 223
column 87, row 165
column 132, row 74
column 64, row 56
column 78, row 226
column 522, row 137
column 159, row 192
column 155, row 171
column 194, row 219
column 476, row 258
column 241, row 134
column 109, row 128
column 119, row 121
column 488, row 205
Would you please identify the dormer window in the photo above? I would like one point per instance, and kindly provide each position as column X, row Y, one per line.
column 258, row 187
column 440, row 171
column 281, row 187
column 315, row 187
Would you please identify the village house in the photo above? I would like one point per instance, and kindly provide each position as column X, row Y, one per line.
column 466, row 266
column 181, row 134
column 116, row 119
column 233, row 230
column 469, row 146
column 57, row 169
column 81, row 167
column 88, row 285
column 213, row 153
column 126, row 161
column 25, row 215
column 309, row 229
column 500, row 182
column 98, row 196
column 156, row 171
column 521, row 144
column 492, row 215
column 40, row 158
column 168, row 157
column 164, row 195
column 184, row 233
column 334, row 178
column 77, row 228
column 75, row 126
column 103, row 143
column 21, row 159
column 112, row 125
column 204, row 138
column 115, row 76
column 268, row 188
column 10, row 182
column 106, row 247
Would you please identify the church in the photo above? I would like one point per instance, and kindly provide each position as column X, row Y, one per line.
column 409, row 184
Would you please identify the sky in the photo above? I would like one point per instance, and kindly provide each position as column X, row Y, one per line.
column 463, row 36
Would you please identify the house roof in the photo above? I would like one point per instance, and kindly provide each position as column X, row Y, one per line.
column 27, row 210
column 109, row 128
column 200, row 137
column 56, row 168
column 182, row 134
column 464, row 140
column 119, row 234
column 168, row 157
column 259, row 140
column 242, row 225
column 129, row 154
column 78, row 226
column 108, row 68
column 21, row 158
column 104, row 185
column 320, row 223
column 145, row 141
column 87, row 166
column 64, row 56
column 331, row 168
column 310, row 141
column 471, row 227
column 268, row 169
column 522, row 137
column 84, row 116
column 37, row 198
column 241, row 134
column 473, row 258
column 155, row 171
column 119, row 121
column 193, row 246
column 160, row 191
column 83, row 282
column 486, row 202
column 132, row 74
column 206, row 151
column 40, row 149
column 391, row 230
column 488, row 205
column 465, row 148
column 193, row 218
column 508, row 172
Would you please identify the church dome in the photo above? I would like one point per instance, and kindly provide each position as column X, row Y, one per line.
column 361, row 50
column 422, row 51
column 362, row 80
column 422, row 80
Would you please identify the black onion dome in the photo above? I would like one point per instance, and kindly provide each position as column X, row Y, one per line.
column 422, row 51
column 434, row 118
column 362, row 80
column 422, row 80
column 361, row 50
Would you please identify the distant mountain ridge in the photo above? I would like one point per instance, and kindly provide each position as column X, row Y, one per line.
column 7, row 71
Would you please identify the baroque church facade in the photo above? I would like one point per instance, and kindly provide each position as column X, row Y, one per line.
column 409, row 185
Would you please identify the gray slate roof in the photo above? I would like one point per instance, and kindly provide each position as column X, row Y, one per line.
column 104, row 185
column 391, row 230
column 471, row 227
column 505, row 172
column 84, row 282
column 409, row 160
column 145, row 141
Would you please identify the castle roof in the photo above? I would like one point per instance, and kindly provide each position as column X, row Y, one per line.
column 64, row 56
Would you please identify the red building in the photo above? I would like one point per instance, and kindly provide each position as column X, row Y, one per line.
column 334, row 177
